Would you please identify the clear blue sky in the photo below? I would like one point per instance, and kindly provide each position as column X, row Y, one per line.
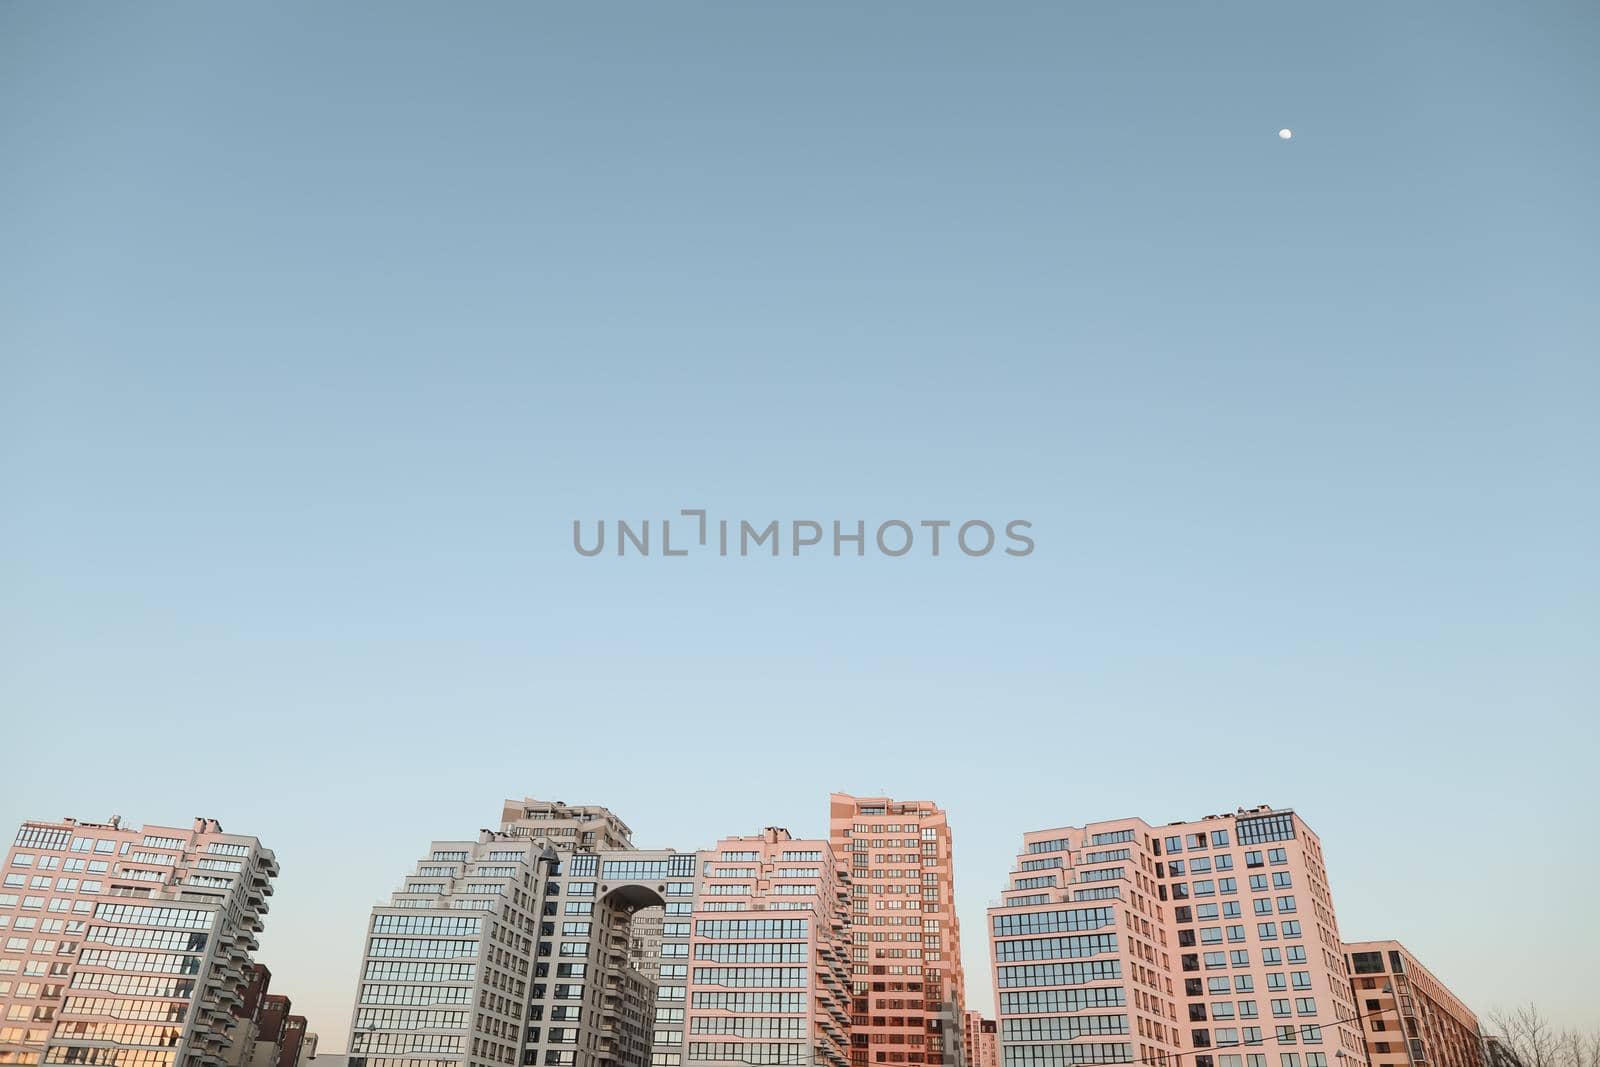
column 320, row 323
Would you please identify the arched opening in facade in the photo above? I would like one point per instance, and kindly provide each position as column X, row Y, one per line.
column 622, row 992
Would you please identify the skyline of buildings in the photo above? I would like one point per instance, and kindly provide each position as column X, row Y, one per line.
column 555, row 941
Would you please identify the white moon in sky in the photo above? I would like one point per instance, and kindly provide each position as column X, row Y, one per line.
column 1285, row 134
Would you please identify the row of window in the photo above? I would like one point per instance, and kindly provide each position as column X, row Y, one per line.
column 1067, row 1055
column 1041, row 1001
column 758, row 977
column 738, row 928
column 134, row 985
column 92, row 1056
column 410, row 1019
column 420, row 972
column 746, row 1026
column 420, row 947
column 57, row 906
column 1046, row 922
column 757, row 1053
column 644, row 870
column 459, row 926
column 139, row 915
column 1068, row 1028
column 750, row 1002
column 62, row 885
column 758, row 952
column 415, row 994
column 70, row 864
column 1240, row 957
column 148, row 962
column 1256, row 1059
column 1055, row 948
column 1059, row 974
column 143, row 1010
column 140, row 937
column 1196, row 865
column 45, row 837
column 1200, row 840
column 1229, row 1037
column 1264, row 828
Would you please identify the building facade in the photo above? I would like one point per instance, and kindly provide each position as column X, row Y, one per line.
column 282, row 1039
column 769, row 982
column 545, row 975
column 624, row 916
column 980, row 1040
column 128, row 946
column 449, row 961
column 1212, row 942
column 907, row 984
column 269, row 1033
column 567, row 827
column 1409, row 1017
column 648, row 935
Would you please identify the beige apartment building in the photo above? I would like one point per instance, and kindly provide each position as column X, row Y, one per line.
column 770, row 981
column 1214, row 941
column 1409, row 1017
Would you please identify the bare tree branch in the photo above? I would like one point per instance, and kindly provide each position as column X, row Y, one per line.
column 1535, row 1042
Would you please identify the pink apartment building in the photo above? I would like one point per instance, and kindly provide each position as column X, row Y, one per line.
column 980, row 1040
column 768, row 975
column 129, row 947
column 1409, row 1017
column 1211, row 943
column 907, row 986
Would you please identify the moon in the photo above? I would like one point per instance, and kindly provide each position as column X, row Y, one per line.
column 1285, row 134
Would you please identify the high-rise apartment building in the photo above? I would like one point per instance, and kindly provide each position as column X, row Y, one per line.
column 980, row 1040
column 906, row 978
column 534, row 923
column 769, row 979
column 1410, row 1018
column 450, row 961
column 1212, row 943
column 627, row 910
column 128, row 947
